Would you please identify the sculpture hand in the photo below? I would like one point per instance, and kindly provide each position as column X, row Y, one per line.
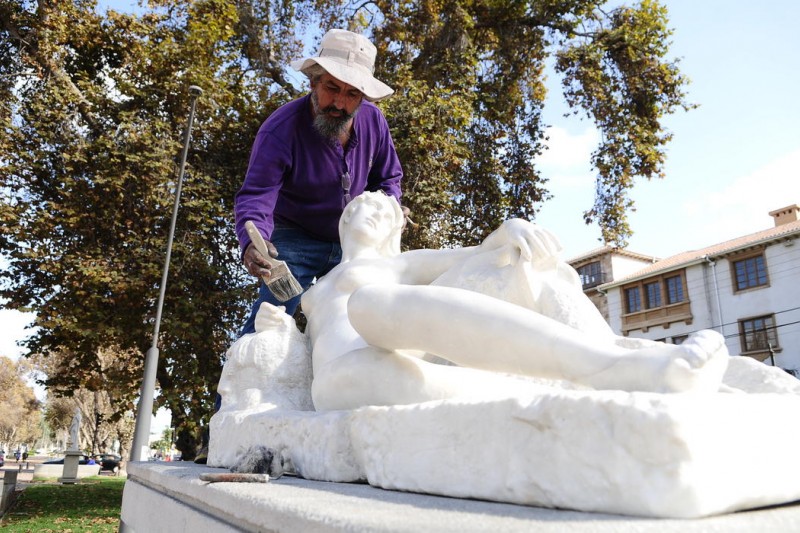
column 535, row 244
column 255, row 263
column 271, row 317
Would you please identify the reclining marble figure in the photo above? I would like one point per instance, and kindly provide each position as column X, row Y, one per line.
column 498, row 335
column 454, row 304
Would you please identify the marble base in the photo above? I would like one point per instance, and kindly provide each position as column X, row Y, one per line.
column 678, row 456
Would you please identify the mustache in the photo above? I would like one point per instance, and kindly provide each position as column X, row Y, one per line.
column 327, row 124
column 345, row 116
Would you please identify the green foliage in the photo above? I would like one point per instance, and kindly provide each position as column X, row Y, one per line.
column 20, row 414
column 618, row 78
column 164, row 444
column 470, row 88
column 88, row 176
column 94, row 504
column 93, row 108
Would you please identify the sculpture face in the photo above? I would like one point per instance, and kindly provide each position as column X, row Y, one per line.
column 373, row 220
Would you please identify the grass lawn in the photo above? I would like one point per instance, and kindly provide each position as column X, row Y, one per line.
column 93, row 504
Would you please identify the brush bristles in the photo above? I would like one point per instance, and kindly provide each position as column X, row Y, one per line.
column 282, row 284
column 255, row 460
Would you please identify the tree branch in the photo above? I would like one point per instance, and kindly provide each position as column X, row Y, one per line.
column 48, row 66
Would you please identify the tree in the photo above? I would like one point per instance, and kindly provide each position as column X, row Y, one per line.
column 20, row 412
column 93, row 108
column 104, row 419
column 92, row 128
column 164, row 444
column 477, row 83
column 99, row 428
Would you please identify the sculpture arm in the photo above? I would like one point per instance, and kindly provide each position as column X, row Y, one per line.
column 535, row 244
column 421, row 267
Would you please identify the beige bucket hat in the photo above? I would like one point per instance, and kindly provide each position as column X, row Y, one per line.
column 348, row 57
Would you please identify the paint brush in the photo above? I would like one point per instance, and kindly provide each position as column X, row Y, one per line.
column 225, row 477
column 281, row 283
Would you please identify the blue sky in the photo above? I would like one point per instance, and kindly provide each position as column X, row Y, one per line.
column 731, row 161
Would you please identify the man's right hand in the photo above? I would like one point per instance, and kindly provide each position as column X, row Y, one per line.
column 255, row 263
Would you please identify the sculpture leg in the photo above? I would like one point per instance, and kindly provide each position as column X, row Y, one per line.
column 477, row 331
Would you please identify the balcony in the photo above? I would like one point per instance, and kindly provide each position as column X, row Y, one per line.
column 658, row 316
column 591, row 281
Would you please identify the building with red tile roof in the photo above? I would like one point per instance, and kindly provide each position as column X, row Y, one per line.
column 746, row 288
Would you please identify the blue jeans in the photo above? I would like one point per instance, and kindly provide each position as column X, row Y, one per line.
column 306, row 257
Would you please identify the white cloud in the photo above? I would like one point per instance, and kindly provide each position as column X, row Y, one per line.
column 572, row 182
column 742, row 207
column 12, row 329
column 566, row 161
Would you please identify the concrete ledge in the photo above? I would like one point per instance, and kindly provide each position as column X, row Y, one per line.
column 170, row 497
column 44, row 471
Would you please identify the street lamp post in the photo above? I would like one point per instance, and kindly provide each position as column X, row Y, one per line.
column 144, row 411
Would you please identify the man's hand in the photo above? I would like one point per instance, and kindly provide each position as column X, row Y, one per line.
column 255, row 263
column 407, row 217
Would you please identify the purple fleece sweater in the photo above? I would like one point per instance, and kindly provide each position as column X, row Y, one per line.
column 295, row 174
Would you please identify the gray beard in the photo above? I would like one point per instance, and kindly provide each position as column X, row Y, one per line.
column 326, row 125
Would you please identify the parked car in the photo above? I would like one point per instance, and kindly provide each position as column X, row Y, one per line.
column 109, row 461
column 82, row 460
column 2, row 458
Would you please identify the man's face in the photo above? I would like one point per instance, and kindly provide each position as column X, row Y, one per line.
column 335, row 104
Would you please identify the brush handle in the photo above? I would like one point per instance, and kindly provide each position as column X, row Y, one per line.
column 234, row 477
column 259, row 242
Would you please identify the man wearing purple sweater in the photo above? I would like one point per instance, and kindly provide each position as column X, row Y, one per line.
column 310, row 158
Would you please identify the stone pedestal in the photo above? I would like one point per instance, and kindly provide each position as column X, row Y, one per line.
column 71, row 462
column 170, row 496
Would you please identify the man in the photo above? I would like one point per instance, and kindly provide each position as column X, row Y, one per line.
column 310, row 158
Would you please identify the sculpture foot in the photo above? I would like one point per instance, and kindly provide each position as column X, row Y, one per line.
column 697, row 365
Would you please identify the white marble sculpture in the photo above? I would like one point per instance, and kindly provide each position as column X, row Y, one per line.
column 540, row 404
column 75, row 431
column 368, row 312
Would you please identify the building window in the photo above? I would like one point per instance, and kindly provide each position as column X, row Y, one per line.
column 674, row 288
column 758, row 334
column 659, row 300
column 750, row 272
column 653, row 292
column 633, row 300
column 591, row 275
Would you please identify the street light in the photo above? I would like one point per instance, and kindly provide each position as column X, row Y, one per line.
column 144, row 411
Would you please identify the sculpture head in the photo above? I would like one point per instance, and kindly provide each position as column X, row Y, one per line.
column 380, row 227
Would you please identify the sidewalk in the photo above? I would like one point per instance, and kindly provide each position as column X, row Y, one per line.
column 24, row 475
column 24, row 469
